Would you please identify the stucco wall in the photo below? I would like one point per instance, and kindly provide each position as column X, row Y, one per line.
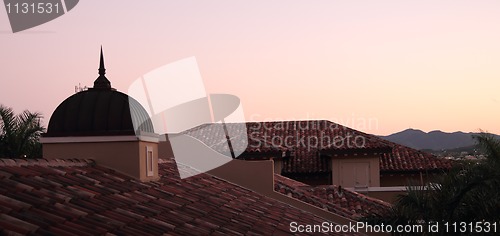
column 389, row 180
column 127, row 157
column 278, row 165
column 386, row 196
column 165, row 150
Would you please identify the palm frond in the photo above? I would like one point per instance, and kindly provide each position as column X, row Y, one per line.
column 491, row 146
column 469, row 192
column 19, row 135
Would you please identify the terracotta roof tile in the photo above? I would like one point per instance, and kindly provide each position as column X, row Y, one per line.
column 304, row 140
column 403, row 158
column 340, row 201
column 13, row 203
column 82, row 198
column 14, row 224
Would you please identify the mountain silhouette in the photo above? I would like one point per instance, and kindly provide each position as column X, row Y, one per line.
column 433, row 140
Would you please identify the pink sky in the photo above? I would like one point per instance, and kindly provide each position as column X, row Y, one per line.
column 376, row 66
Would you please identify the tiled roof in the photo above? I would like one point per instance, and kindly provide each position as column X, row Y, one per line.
column 305, row 138
column 213, row 135
column 302, row 138
column 404, row 159
column 80, row 198
column 343, row 202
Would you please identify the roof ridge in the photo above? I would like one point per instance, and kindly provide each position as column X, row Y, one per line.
column 309, row 194
column 305, row 196
column 46, row 162
column 390, row 143
column 332, row 186
column 297, row 120
column 292, row 181
column 272, row 121
column 360, row 195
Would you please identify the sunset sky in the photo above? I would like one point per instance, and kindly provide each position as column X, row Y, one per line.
column 377, row 66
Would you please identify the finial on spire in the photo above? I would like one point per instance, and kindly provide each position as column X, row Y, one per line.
column 102, row 82
column 102, row 70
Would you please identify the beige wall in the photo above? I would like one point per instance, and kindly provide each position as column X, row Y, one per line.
column 389, row 180
column 278, row 165
column 127, row 157
column 313, row 179
column 356, row 171
column 255, row 175
column 165, row 150
column 259, row 177
column 386, row 196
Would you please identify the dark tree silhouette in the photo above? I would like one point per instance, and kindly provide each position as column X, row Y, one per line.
column 19, row 134
column 469, row 193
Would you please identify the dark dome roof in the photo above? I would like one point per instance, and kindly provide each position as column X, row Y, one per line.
column 99, row 111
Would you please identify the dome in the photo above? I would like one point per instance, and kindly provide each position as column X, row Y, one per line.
column 98, row 111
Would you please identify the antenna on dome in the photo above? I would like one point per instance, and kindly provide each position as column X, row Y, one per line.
column 79, row 88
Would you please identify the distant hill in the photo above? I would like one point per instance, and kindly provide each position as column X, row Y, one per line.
column 434, row 140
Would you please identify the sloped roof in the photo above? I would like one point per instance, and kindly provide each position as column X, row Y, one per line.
column 304, row 139
column 332, row 198
column 406, row 159
column 214, row 136
column 78, row 197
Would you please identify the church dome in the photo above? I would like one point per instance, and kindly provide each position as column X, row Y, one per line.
column 99, row 111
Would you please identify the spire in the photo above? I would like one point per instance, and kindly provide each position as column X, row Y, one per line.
column 102, row 70
column 102, row 82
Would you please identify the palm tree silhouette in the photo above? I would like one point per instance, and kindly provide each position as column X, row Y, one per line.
column 19, row 134
column 469, row 193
